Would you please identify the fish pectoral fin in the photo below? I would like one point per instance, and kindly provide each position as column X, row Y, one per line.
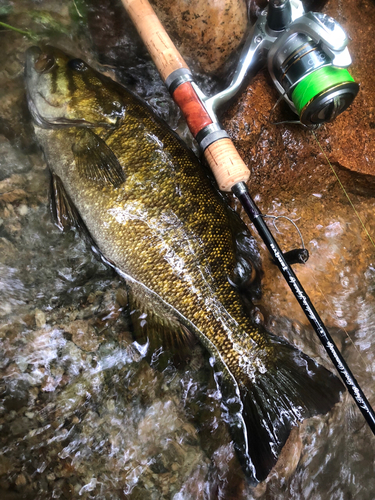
column 95, row 160
column 167, row 338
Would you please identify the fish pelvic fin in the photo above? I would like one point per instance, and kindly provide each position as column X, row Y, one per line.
column 294, row 387
column 64, row 212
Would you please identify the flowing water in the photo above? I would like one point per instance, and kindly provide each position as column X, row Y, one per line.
column 82, row 413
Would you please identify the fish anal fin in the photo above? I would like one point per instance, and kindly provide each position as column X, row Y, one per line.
column 167, row 338
column 293, row 388
column 95, row 160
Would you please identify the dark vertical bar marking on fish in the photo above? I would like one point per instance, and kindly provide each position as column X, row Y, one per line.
column 71, row 83
column 54, row 80
column 242, row 193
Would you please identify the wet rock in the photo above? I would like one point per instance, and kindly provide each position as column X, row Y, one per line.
column 290, row 176
column 40, row 318
column 20, row 425
column 7, row 251
column 20, row 481
column 289, row 456
column 5, row 465
column 205, row 32
column 12, row 196
column 84, row 335
column 112, row 33
column 12, row 162
column 15, row 120
column 350, row 140
column 122, row 297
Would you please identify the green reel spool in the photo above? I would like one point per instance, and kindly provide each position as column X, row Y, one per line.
column 324, row 94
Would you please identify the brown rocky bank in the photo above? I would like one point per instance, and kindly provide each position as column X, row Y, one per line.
column 291, row 176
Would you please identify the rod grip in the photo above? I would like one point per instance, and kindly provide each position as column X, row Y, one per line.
column 161, row 48
column 226, row 164
column 222, row 157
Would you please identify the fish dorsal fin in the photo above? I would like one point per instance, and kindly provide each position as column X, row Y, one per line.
column 95, row 160
column 247, row 272
column 154, row 323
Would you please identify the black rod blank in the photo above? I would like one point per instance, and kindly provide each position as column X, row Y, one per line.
column 242, row 193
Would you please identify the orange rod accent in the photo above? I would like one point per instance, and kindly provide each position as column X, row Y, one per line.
column 191, row 106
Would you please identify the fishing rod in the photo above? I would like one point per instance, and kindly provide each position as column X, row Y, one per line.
column 307, row 57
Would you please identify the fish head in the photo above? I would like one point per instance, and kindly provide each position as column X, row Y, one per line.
column 63, row 90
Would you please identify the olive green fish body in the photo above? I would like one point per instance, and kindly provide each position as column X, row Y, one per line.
column 155, row 216
column 164, row 227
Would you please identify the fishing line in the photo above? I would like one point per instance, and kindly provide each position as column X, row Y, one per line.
column 276, row 217
column 369, row 236
column 344, row 190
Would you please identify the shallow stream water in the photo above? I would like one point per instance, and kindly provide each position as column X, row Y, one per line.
column 82, row 413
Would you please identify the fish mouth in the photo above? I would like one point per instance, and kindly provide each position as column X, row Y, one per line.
column 31, row 77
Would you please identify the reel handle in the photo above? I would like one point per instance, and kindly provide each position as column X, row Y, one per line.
column 221, row 155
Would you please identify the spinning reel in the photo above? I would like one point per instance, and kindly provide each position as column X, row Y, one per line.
column 306, row 55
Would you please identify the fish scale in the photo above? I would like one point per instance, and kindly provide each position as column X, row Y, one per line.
column 126, row 180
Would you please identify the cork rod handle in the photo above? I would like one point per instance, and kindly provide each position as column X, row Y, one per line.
column 222, row 157
column 160, row 47
column 226, row 164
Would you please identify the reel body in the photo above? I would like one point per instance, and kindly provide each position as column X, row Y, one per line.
column 306, row 55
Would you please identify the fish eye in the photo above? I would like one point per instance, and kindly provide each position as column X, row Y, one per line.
column 77, row 64
column 44, row 63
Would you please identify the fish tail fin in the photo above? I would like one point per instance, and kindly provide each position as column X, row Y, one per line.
column 292, row 388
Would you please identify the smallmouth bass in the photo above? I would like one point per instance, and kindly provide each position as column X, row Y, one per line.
column 120, row 175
